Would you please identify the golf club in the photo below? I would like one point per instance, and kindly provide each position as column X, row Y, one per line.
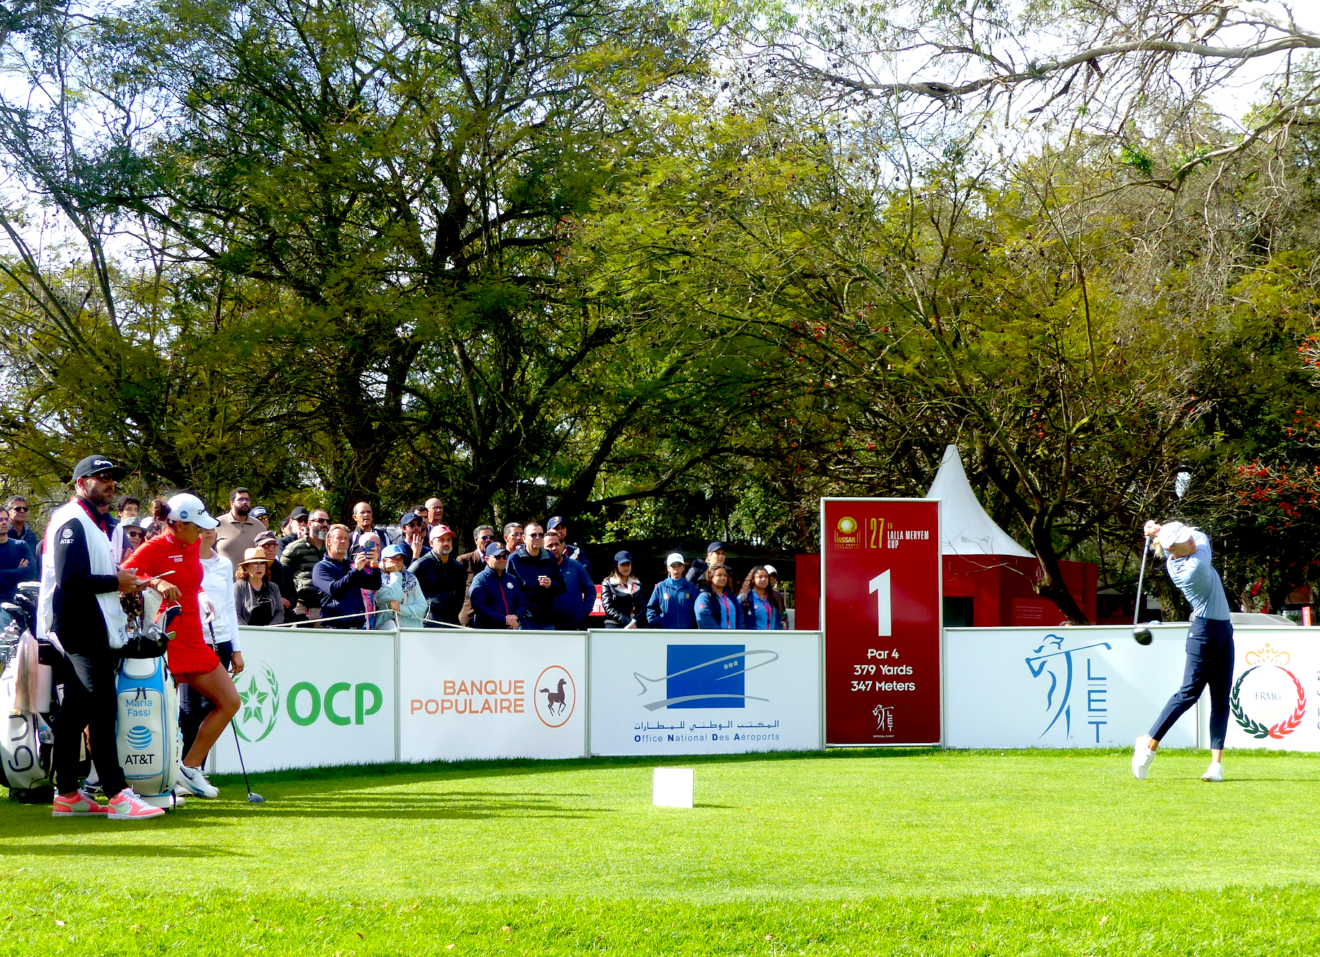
column 253, row 798
column 1141, row 634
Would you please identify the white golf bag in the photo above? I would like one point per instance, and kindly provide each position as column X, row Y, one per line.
column 150, row 742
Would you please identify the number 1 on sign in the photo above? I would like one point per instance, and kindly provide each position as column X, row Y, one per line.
column 880, row 588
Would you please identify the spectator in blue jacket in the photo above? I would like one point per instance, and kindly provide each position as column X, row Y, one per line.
column 341, row 582
column 575, row 604
column 18, row 563
column 760, row 611
column 717, row 605
column 673, row 603
column 538, row 573
column 558, row 524
column 497, row 598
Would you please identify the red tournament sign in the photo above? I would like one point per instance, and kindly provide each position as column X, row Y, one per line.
column 881, row 583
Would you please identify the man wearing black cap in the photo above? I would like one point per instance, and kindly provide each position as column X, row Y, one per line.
column 295, row 527
column 497, row 598
column 560, row 526
column 79, row 606
column 538, row 573
column 696, row 572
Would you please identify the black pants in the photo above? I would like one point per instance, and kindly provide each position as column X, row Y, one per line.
column 1209, row 661
column 90, row 701
column 194, row 706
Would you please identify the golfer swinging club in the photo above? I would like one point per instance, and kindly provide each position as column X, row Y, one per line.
column 1209, row 644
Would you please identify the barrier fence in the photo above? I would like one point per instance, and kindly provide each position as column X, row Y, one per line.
column 350, row 697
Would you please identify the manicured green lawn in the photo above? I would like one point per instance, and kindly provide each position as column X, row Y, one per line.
column 882, row 852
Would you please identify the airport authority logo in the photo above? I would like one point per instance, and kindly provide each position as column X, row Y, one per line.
column 1268, row 701
column 705, row 676
column 259, row 700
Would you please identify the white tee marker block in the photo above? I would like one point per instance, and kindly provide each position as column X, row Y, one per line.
column 672, row 787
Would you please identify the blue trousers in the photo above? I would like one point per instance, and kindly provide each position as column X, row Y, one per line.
column 1209, row 662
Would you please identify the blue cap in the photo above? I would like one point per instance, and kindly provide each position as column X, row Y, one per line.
column 408, row 517
column 555, row 522
column 714, row 547
column 496, row 550
column 621, row 557
column 394, row 551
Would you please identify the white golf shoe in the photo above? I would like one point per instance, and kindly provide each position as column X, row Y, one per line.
column 1214, row 773
column 1142, row 756
column 194, row 782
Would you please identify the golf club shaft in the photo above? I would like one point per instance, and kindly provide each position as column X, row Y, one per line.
column 239, row 748
column 1141, row 578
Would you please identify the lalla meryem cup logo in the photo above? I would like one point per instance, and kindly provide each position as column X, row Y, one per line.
column 1268, row 701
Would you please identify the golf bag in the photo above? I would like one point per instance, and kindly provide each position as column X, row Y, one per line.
column 31, row 688
column 150, row 743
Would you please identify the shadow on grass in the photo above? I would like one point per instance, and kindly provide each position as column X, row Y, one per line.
column 29, row 849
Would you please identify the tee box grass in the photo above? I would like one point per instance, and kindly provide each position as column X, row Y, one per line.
column 847, row 852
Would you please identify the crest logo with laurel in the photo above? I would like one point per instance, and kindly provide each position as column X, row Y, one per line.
column 259, row 697
column 1268, row 701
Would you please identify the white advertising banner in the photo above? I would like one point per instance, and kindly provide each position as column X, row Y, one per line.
column 704, row 692
column 1275, row 702
column 492, row 694
column 1090, row 687
column 310, row 699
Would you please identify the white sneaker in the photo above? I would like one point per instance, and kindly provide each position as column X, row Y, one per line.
column 1142, row 756
column 1214, row 773
column 194, row 782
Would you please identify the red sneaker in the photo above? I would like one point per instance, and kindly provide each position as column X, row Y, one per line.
column 82, row 804
column 127, row 806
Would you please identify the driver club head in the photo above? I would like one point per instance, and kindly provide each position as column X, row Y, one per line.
column 1142, row 635
column 254, row 798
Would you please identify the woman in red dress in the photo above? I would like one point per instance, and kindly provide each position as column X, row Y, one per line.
column 191, row 660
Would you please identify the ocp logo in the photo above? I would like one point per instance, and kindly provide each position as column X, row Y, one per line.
column 259, row 694
column 139, row 737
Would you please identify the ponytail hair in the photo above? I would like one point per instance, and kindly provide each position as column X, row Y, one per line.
column 160, row 510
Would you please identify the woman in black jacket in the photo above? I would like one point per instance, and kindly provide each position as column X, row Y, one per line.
column 621, row 596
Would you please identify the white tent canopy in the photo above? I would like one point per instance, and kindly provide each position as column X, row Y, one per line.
column 965, row 527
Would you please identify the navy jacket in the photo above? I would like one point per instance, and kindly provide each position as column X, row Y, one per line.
column 575, row 604
column 341, row 587
column 526, row 569
column 443, row 583
column 710, row 611
column 752, row 606
column 493, row 597
column 673, row 604
column 12, row 554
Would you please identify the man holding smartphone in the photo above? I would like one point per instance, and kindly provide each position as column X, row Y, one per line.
column 538, row 573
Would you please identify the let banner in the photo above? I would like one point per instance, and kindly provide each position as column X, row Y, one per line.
column 881, row 614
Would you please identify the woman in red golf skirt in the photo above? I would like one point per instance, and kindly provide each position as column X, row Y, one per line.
column 192, row 661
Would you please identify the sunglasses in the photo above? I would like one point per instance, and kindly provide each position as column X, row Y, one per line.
column 486, row 538
column 320, row 521
column 535, row 535
column 19, row 508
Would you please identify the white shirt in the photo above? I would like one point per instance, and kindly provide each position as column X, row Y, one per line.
column 218, row 585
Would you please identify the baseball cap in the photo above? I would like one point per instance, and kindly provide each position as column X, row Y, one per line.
column 770, row 569
column 1173, row 533
column 147, row 522
column 621, row 557
column 394, row 551
column 555, row 522
column 96, row 465
column 265, row 537
column 714, row 547
column 259, row 512
column 298, row 513
column 439, row 530
column 408, row 517
column 496, row 550
column 674, row 558
column 189, row 508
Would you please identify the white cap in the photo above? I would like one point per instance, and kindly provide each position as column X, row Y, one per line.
column 674, row 558
column 1172, row 533
column 770, row 570
column 189, row 508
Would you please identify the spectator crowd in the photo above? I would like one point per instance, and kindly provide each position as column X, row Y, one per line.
column 313, row 572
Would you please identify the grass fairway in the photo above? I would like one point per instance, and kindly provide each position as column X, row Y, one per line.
column 881, row 852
